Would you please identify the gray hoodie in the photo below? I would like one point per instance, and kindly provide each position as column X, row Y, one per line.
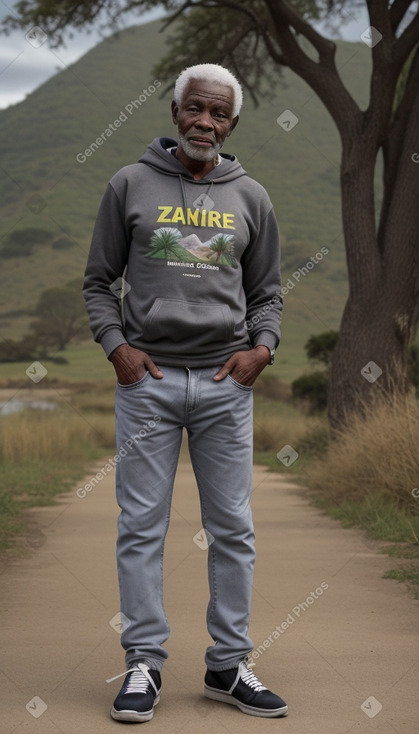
column 186, row 270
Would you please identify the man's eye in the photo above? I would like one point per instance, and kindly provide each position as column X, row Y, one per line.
column 220, row 115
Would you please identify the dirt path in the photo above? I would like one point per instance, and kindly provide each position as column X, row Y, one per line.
column 335, row 639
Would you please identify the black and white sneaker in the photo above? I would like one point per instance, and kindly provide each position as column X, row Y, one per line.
column 240, row 687
column 139, row 694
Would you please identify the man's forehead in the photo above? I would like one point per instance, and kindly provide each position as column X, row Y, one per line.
column 210, row 90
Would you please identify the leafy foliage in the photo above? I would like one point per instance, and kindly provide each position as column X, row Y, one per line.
column 311, row 388
column 20, row 242
column 62, row 243
column 57, row 18
column 320, row 347
column 61, row 318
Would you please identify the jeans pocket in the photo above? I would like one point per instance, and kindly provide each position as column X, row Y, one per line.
column 134, row 384
column 246, row 388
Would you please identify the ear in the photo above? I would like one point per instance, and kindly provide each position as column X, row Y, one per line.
column 233, row 125
column 175, row 110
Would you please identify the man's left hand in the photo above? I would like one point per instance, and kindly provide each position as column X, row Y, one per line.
column 244, row 367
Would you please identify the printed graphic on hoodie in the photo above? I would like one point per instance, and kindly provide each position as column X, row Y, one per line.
column 168, row 243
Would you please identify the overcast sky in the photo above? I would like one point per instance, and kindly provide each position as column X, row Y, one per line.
column 27, row 63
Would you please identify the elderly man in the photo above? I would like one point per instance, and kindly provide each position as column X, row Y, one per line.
column 192, row 243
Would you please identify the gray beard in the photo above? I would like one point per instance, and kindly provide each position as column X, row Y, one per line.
column 196, row 154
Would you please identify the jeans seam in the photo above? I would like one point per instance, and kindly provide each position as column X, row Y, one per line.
column 211, row 560
column 169, row 504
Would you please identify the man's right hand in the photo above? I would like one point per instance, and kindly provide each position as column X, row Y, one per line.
column 131, row 364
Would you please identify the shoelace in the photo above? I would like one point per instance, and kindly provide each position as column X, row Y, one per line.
column 138, row 681
column 249, row 677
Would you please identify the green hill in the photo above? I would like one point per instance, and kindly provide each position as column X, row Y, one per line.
column 53, row 175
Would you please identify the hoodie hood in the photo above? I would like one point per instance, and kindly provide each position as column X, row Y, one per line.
column 157, row 156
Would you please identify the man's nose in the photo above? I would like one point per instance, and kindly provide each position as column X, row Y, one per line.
column 204, row 121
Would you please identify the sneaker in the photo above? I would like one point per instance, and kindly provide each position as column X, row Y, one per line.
column 240, row 687
column 139, row 694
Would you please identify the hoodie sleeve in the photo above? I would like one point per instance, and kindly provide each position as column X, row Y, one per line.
column 262, row 284
column 106, row 264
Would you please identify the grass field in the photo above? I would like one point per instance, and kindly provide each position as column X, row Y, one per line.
column 43, row 453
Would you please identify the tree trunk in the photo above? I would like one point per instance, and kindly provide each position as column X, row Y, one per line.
column 383, row 275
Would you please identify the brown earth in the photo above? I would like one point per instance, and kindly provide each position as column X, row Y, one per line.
column 347, row 640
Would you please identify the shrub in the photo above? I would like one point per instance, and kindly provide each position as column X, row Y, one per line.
column 20, row 242
column 377, row 455
column 62, row 243
column 312, row 390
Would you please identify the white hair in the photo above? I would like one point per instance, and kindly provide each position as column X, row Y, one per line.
column 211, row 73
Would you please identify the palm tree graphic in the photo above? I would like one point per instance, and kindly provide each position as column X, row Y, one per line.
column 223, row 247
column 165, row 240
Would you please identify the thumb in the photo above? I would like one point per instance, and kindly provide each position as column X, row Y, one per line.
column 153, row 369
column 224, row 371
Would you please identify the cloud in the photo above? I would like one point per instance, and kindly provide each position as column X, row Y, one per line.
column 23, row 66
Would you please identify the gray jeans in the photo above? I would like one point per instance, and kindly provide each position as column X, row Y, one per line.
column 150, row 416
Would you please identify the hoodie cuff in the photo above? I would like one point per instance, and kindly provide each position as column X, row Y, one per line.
column 267, row 338
column 111, row 340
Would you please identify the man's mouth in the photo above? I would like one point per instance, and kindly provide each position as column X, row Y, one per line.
column 201, row 142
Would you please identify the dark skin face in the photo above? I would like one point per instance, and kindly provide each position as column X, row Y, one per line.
column 205, row 119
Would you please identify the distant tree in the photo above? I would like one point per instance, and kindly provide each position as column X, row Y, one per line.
column 61, row 316
column 256, row 39
column 311, row 389
column 16, row 351
column 62, row 243
column 20, row 242
column 319, row 347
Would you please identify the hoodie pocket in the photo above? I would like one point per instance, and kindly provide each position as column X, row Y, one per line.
column 188, row 321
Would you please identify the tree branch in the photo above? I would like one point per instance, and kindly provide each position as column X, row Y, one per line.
column 397, row 12
column 241, row 8
column 407, row 41
column 175, row 15
column 274, row 53
column 380, row 18
column 324, row 47
column 393, row 144
column 322, row 76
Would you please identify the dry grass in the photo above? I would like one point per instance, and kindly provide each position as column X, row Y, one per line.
column 271, row 432
column 273, row 388
column 56, row 436
column 378, row 455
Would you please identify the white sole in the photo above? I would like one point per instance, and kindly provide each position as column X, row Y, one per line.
column 129, row 715
column 217, row 695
